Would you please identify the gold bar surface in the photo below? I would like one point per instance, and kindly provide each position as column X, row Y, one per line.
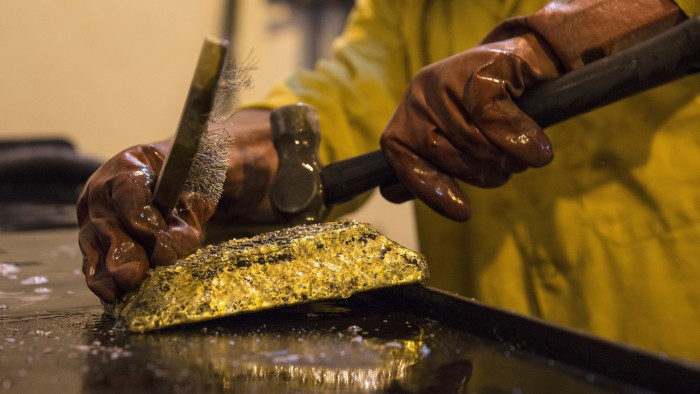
column 291, row 266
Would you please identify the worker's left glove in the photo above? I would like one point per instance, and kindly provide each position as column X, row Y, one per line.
column 458, row 119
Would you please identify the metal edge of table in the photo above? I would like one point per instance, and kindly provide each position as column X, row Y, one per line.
column 615, row 360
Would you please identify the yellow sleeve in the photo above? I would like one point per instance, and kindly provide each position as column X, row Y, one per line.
column 690, row 7
column 357, row 90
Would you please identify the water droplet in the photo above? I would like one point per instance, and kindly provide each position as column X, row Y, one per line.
column 7, row 269
column 354, row 329
column 286, row 359
column 82, row 348
column 393, row 344
column 6, row 383
column 425, row 350
column 35, row 280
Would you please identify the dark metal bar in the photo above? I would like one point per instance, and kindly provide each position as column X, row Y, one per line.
column 669, row 56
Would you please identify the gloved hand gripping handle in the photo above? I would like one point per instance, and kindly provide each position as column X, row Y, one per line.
column 662, row 59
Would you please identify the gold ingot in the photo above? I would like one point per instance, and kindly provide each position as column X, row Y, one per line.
column 296, row 265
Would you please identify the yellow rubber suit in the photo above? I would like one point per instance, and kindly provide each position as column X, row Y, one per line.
column 606, row 238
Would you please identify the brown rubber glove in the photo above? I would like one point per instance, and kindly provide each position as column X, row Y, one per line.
column 122, row 233
column 458, row 119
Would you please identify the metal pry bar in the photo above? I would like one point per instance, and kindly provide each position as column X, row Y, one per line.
column 193, row 124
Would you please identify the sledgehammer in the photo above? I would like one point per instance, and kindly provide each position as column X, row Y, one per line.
column 303, row 190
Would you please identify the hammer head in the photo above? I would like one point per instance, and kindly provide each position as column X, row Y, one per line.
column 296, row 193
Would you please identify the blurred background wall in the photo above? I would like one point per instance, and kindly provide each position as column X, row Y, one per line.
column 109, row 74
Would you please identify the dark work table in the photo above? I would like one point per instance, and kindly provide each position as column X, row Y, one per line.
column 55, row 337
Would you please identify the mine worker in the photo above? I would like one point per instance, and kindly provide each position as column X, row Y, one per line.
column 603, row 238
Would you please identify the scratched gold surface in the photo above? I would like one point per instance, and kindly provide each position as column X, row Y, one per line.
column 281, row 268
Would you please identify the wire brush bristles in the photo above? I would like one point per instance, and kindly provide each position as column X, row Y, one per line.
column 208, row 173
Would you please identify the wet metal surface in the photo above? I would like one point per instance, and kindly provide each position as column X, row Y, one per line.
column 54, row 337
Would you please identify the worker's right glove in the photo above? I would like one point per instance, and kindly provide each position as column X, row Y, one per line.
column 458, row 118
column 122, row 234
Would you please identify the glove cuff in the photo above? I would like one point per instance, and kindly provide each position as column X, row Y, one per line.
column 580, row 32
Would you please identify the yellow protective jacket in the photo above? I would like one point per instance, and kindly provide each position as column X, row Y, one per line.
column 606, row 238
